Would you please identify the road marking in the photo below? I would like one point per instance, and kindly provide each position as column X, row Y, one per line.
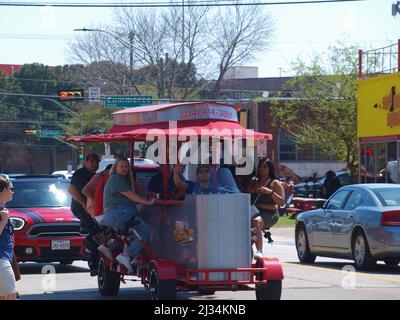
column 357, row 273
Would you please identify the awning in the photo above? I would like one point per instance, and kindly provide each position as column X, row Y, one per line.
column 222, row 129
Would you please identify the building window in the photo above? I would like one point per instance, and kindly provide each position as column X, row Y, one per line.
column 290, row 151
column 378, row 162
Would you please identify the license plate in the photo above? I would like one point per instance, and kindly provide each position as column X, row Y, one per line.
column 60, row 245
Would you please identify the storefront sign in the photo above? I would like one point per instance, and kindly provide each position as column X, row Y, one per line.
column 378, row 111
column 393, row 119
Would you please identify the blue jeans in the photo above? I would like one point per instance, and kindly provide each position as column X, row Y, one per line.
column 119, row 215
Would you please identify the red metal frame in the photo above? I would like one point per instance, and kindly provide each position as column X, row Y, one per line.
column 253, row 273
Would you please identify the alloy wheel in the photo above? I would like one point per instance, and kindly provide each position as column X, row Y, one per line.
column 301, row 243
column 359, row 250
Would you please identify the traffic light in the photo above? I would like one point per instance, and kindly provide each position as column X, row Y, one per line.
column 74, row 94
column 81, row 153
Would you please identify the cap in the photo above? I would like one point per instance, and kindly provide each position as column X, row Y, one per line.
column 92, row 156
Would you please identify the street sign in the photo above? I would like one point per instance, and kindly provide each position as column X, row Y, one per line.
column 94, row 94
column 46, row 133
column 127, row 101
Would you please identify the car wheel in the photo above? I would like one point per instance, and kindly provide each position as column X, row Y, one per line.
column 108, row 281
column 392, row 262
column 161, row 289
column 303, row 246
column 363, row 259
column 272, row 290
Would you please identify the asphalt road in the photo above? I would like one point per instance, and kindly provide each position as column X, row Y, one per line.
column 326, row 279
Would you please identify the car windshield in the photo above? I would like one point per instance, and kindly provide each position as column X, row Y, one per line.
column 389, row 197
column 40, row 194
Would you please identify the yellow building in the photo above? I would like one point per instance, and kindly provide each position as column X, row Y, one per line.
column 378, row 126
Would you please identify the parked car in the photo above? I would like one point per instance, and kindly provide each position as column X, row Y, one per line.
column 45, row 228
column 314, row 190
column 359, row 222
column 63, row 174
column 138, row 162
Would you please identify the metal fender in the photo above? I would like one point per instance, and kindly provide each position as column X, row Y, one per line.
column 273, row 267
column 166, row 269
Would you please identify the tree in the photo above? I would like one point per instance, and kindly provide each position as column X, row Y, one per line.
column 177, row 49
column 325, row 111
column 236, row 35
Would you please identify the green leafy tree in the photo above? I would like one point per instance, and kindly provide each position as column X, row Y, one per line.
column 325, row 111
column 95, row 119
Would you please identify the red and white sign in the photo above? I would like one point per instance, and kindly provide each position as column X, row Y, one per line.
column 261, row 148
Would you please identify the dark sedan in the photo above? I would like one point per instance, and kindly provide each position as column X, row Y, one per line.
column 314, row 190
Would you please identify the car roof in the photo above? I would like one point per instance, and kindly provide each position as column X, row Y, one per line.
column 372, row 186
column 38, row 178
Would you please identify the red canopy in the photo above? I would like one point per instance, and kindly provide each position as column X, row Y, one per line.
column 220, row 128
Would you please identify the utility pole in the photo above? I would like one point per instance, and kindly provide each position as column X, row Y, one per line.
column 183, row 31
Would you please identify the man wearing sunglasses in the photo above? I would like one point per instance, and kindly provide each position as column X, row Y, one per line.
column 7, row 278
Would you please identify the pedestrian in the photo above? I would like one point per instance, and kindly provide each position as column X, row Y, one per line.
column 288, row 186
column 78, row 204
column 267, row 194
column 7, row 277
column 331, row 184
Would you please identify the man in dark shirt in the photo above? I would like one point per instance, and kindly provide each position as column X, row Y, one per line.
column 78, row 204
column 155, row 185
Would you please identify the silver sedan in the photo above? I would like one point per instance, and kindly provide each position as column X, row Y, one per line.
column 359, row 222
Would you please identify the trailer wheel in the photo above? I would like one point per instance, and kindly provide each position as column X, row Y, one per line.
column 108, row 281
column 161, row 289
column 206, row 292
column 272, row 290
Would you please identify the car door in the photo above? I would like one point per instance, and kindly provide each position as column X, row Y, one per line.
column 323, row 231
column 343, row 221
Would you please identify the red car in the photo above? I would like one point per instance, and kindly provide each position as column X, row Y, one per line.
column 45, row 228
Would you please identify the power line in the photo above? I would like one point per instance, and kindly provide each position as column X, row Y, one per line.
column 164, row 4
column 35, row 36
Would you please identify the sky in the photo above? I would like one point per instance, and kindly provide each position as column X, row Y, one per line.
column 41, row 34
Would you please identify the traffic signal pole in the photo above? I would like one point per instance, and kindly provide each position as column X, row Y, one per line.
column 74, row 113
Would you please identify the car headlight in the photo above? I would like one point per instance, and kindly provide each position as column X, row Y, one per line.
column 17, row 223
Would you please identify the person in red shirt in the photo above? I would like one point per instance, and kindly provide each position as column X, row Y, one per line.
column 98, row 199
column 90, row 189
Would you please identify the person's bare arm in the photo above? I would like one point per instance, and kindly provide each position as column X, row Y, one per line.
column 90, row 189
column 276, row 192
column 4, row 219
column 73, row 191
column 133, row 196
column 279, row 193
column 179, row 183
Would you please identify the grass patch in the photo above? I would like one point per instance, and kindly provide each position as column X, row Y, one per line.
column 286, row 221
